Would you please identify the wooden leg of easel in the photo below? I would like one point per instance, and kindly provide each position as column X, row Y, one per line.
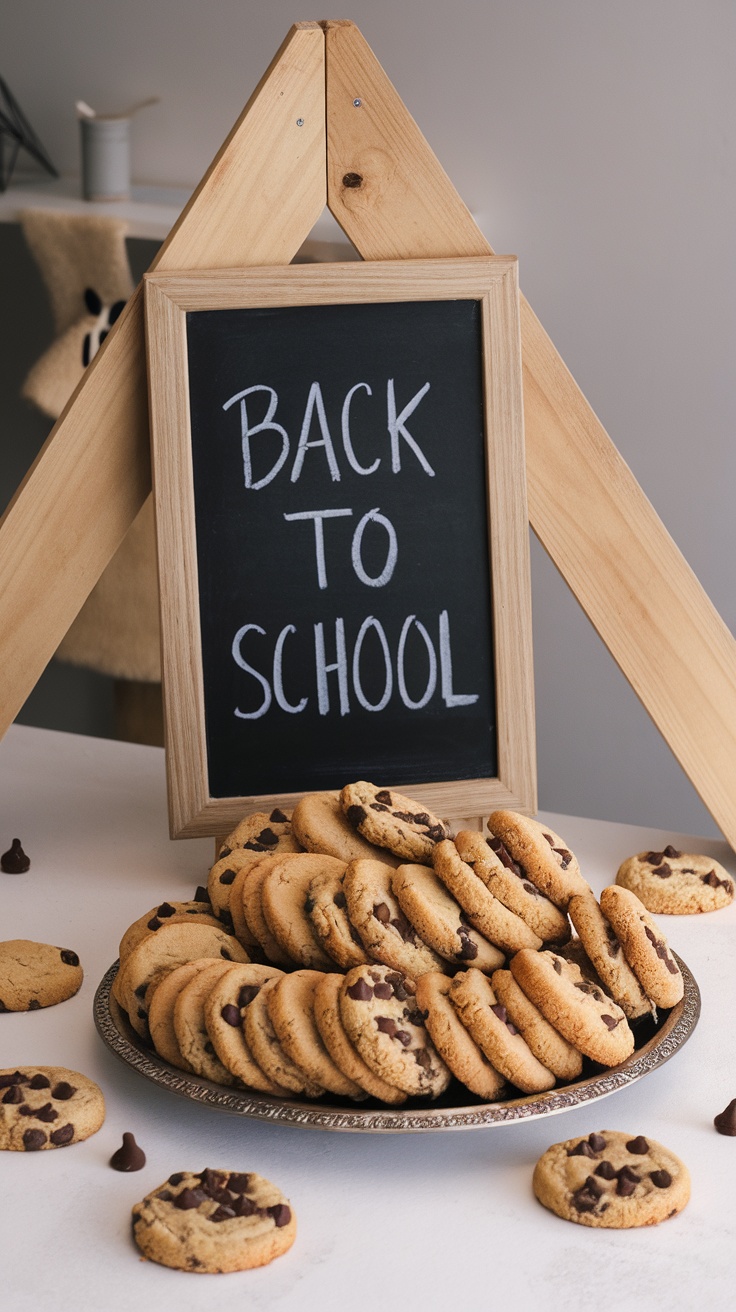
column 584, row 503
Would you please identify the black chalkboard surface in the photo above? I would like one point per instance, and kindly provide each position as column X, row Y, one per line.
column 339, row 484
column 341, row 516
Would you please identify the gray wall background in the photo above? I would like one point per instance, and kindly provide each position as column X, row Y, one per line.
column 593, row 140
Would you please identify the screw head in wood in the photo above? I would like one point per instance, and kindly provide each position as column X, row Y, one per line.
column 300, row 122
column 357, row 102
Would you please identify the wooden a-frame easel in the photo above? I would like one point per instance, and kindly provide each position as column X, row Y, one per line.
column 325, row 98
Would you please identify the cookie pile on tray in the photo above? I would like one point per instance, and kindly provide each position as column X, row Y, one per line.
column 355, row 948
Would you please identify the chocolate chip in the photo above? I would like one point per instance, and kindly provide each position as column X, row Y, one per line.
column 166, row 910
column 129, row 1157
column 549, row 839
column 224, row 851
column 201, row 894
column 267, row 837
column 189, row 1198
column 403, row 1037
column 531, row 889
column 387, row 1026
column 15, row 1078
column 661, row 950
column 384, row 796
column 230, row 1014
column 660, row 1179
column 69, row 958
column 725, row 1121
column 582, row 1149
column 239, row 1183
column 422, row 1058
column 63, row 1091
column 378, row 806
column 64, row 1134
column 360, row 991
column 165, row 1195
column 597, row 1142
column 468, row 949
column 46, row 1113
column 627, row 1182
column 654, row 858
column 505, row 856
column 209, row 1048
column 499, row 1011
column 227, row 876
column 403, row 928
column 416, row 1016
column 26, row 1110
column 712, row 879
column 383, row 990
column 141, row 991
column 437, row 833
column 564, row 855
column 224, row 953
column 14, row 861
column 638, row 1145
column 309, row 903
column 247, row 994
column 672, row 852
column 340, row 899
column 585, row 1199
column 33, row 1140
column 409, row 818
column 14, row 1095
column 255, row 846
column 142, row 1014
column 557, row 966
column 226, row 919
column 154, row 924
column 280, row 1213
column 177, row 1177
column 244, row 1206
column 606, row 1171
column 610, row 1022
column 34, row 1004
column 40, row 1082
column 663, row 872
column 277, row 817
column 613, row 945
column 223, row 1213
column 382, row 913
column 356, row 815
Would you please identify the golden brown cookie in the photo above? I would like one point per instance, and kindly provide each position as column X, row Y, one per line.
column 263, row 1043
column 453, row 1042
column 645, row 946
column 384, row 930
column 547, row 1044
column 341, row 1050
column 542, row 856
column 581, row 1012
column 605, row 952
column 379, row 1012
column 499, row 925
column 486, row 1020
column 159, row 953
column 34, row 975
column 391, row 820
column 291, row 1009
column 285, row 899
column 672, row 883
column 320, row 825
column 45, row 1107
column 224, row 1016
column 326, row 906
column 611, row 1180
column 507, row 882
column 440, row 921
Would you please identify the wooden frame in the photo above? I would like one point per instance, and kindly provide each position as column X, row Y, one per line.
column 169, row 297
column 323, row 110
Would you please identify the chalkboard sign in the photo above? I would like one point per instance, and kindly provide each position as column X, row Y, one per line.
column 338, row 461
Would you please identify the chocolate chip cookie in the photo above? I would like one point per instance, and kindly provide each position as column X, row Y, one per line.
column 440, row 921
column 379, row 1011
column 547, row 1044
column 612, row 1180
column 285, row 899
column 672, row 883
column 165, row 913
column 159, row 953
column 34, row 975
column 581, row 1012
column 393, row 821
column 645, row 946
column 344, row 1054
column 213, row 1222
column 47, row 1107
column 384, row 930
column 326, row 906
column 605, row 952
column 192, row 1036
column 487, row 1022
column 320, row 825
column 499, row 925
column 160, row 1002
column 544, row 857
column 453, row 1042
column 506, row 880
column 224, row 1016
column 263, row 1042
column 291, row 1009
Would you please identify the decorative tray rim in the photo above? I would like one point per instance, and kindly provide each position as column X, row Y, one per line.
column 674, row 1031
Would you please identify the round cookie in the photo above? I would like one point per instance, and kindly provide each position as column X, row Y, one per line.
column 606, row 954
column 47, row 1107
column 240, row 927
column 34, row 975
column 453, row 1042
column 159, row 953
column 383, row 928
column 291, row 1009
column 326, row 906
column 263, row 1043
column 645, row 946
column 379, row 1012
column 320, row 825
column 487, row 1023
column 195, row 1044
column 221, row 880
column 262, row 833
column 214, row 1222
column 165, row 913
column 252, row 907
column 505, row 880
column 612, row 1180
column 439, row 921
column 224, row 1016
column 499, row 925
column 160, row 1002
column 672, row 883
column 548, row 1046
column 345, row 1056
column 543, row 856
column 284, row 899
column 582, row 1013
column 393, row 821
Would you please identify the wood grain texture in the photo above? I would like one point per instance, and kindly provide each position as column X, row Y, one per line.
column 585, row 505
column 255, row 205
column 493, row 282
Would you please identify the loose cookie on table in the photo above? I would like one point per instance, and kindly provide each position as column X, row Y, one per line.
column 393, row 821
column 547, row 1044
column 489, row 916
column 645, row 946
column 379, row 1011
column 224, row 1016
column 611, row 1180
column 544, row 857
column 214, row 1222
column 488, row 1023
column 344, row 1054
column 672, row 883
column 606, row 955
column 285, row 901
column 440, row 921
column 584, row 1015
column 461, row 1053
column 384, row 930
column 505, row 879
column 34, row 975
column 291, row 1010
column 320, row 825
column 47, row 1107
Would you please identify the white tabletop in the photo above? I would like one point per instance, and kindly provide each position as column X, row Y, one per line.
column 439, row 1220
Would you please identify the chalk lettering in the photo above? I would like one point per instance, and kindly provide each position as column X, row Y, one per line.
column 397, row 429
column 400, row 672
column 323, row 669
column 374, row 516
column 319, row 537
column 278, row 686
column 315, row 402
column 371, row 623
column 448, row 696
column 346, row 438
column 240, row 660
column 266, row 425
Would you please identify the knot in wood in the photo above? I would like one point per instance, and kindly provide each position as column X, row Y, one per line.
column 352, row 180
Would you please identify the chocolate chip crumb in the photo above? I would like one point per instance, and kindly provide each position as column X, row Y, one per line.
column 14, row 861
column 725, row 1121
column 129, row 1157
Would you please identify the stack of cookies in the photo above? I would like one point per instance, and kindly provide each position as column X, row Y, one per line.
column 354, row 948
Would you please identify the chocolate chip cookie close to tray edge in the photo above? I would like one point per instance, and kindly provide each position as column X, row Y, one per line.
column 611, row 1180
